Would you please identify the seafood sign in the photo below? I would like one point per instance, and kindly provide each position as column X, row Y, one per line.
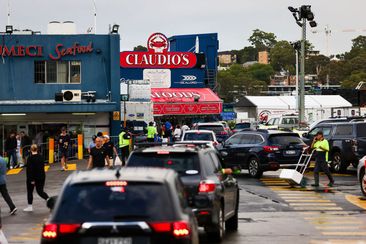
column 158, row 56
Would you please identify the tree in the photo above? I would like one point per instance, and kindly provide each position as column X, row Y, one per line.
column 140, row 48
column 315, row 64
column 262, row 40
column 283, row 57
column 352, row 81
column 261, row 72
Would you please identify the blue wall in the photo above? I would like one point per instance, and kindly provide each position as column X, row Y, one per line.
column 99, row 72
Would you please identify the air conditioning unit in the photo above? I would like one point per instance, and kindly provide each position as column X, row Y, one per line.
column 71, row 95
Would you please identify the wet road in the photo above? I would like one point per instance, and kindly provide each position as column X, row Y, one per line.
column 271, row 211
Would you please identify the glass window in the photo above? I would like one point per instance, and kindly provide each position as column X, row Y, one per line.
column 326, row 131
column 215, row 161
column 98, row 202
column 214, row 128
column 180, row 162
column 256, row 139
column 197, row 136
column 343, row 130
column 233, row 140
column 209, row 166
column 61, row 72
column 270, row 122
column 284, row 140
column 361, row 130
column 246, row 139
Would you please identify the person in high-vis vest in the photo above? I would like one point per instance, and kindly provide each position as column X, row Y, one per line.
column 151, row 132
column 321, row 147
column 124, row 145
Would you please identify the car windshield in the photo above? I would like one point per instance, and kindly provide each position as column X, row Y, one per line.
column 214, row 128
column 183, row 163
column 198, row 136
column 98, row 202
column 284, row 140
column 242, row 126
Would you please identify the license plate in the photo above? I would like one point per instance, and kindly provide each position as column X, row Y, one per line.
column 119, row 240
column 290, row 152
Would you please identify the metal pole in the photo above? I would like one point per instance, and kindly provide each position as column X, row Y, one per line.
column 124, row 114
column 8, row 12
column 297, row 81
column 302, row 74
column 95, row 16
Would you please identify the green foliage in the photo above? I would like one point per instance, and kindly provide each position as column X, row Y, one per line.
column 316, row 64
column 238, row 81
column 283, row 57
column 262, row 40
column 140, row 48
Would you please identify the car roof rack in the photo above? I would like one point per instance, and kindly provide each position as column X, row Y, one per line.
column 154, row 144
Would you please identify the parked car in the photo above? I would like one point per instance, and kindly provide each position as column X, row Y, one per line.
column 262, row 150
column 242, row 126
column 213, row 194
column 347, row 142
column 203, row 136
column 121, row 206
column 218, row 128
column 283, row 122
column 337, row 119
column 361, row 176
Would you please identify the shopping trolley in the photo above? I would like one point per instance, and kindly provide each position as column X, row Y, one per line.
column 296, row 176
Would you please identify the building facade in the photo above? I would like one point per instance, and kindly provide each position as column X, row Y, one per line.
column 50, row 81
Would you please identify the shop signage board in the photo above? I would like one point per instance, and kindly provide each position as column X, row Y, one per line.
column 185, row 101
column 158, row 56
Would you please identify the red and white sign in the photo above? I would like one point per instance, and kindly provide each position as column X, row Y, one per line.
column 185, row 101
column 158, row 56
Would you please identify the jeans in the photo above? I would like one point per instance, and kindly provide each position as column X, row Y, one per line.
column 39, row 184
column 12, row 155
column 4, row 192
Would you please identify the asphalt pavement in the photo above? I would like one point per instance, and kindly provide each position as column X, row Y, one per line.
column 270, row 211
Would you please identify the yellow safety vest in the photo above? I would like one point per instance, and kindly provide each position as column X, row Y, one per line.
column 123, row 142
column 151, row 131
column 324, row 144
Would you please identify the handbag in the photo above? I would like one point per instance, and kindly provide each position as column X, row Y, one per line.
column 117, row 162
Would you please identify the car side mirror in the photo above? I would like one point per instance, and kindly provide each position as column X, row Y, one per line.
column 306, row 135
column 51, row 202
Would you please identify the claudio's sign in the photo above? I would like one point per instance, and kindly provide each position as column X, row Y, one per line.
column 158, row 56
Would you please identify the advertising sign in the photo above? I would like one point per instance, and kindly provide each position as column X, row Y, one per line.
column 158, row 56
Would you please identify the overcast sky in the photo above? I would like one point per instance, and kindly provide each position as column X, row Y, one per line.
column 233, row 20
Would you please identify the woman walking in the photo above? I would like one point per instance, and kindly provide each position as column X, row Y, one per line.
column 36, row 177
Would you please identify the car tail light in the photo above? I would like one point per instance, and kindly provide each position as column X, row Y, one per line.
column 68, row 228
column 223, row 133
column 206, row 186
column 178, row 229
column 271, row 148
column 51, row 231
column 116, row 183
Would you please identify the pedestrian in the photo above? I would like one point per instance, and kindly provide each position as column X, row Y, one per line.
column 25, row 144
column 19, row 156
column 184, row 128
column 321, row 147
column 177, row 133
column 151, row 132
column 168, row 130
column 124, row 144
column 110, row 149
column 63, row 146
column 36, row 176
column 92, row 143
column 3, row 188
column 11, row 150
column 98, row 157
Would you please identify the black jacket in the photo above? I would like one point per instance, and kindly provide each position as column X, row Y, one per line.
column 10, row 143
column 35, row 168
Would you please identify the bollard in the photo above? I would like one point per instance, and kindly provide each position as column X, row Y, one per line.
column 80, row 146
column 51, row 151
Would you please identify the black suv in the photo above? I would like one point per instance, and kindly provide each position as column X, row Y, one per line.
column 213, row 195
column 121, row 206
column 347, row 142
column 262, row 150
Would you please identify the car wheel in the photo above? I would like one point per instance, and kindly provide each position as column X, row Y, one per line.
column 216, row 234
column 363, row 182
column 253, row 168
column 232, row 223
column 337, row 165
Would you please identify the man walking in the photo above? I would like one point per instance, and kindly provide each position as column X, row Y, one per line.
column 321, row 147
column 11, row 150
column 3, row 188
column 98, row 155
column 124, row 145
column 63, row 145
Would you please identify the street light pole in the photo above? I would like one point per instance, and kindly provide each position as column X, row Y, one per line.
column 297, row 80
column 302, row 74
